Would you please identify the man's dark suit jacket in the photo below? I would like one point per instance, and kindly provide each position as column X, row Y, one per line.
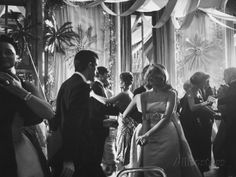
column 229, row 115
column 72, row 114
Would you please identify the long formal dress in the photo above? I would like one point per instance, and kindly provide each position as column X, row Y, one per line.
column 167, row 148
column 19, row 145
column 197, row 127
column 125, row 130
column 162, row 149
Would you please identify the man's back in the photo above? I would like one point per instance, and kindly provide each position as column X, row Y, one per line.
column 73, row 111
column 98, row 109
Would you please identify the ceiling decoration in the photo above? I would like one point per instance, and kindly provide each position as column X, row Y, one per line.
column 180, row 11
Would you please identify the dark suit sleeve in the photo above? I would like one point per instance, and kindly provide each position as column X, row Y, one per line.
column 75, row 125
column 136, row 91
column 231, row 99
column 107, row 109
column 98, row 89
column 139, row 90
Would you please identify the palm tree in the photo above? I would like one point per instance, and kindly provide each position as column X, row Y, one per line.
column 57, row 39
column 21, row 31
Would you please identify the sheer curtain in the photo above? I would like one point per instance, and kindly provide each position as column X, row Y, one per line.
column 83, row 20
column 164, row 46
column 2, row 8
column 125, row 39
column 200, row 47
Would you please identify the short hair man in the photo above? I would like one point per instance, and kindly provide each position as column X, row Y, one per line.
column 73, row 107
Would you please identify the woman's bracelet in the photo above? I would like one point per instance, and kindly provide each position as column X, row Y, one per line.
column 28, row 96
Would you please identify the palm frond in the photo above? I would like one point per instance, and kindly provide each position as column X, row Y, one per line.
column 59, row 37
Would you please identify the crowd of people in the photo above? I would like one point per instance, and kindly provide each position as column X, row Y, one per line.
column 149, row 127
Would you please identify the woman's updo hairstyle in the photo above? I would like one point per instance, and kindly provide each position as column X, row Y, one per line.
column 199, row 78
column 101, row 70
column 157, row 75
column 127, row 78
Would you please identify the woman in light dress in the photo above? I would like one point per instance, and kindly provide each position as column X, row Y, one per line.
column 159, row 141
column 125, row 126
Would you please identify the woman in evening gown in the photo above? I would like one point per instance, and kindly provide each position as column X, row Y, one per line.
column 159, row 141
column 125, row 126
column 197, row 121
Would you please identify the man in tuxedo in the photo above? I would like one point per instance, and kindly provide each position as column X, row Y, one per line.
column 100, row 113
column 72, row 115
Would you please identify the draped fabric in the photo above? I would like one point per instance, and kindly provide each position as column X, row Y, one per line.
column 163, row 37
column 163, row 46
column 83, row 21
column 229, row 46
column 200, row 47
column 126, row 51
column 230, row 39
column 2, row 8
column 57, row 63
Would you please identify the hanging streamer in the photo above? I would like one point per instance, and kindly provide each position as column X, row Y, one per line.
column 152, row 5
column 135, row 23
column 146, row 21
column 219, row 22
column 184, row 7
column 187, row 19
column 70, row 3
column 194, row 6
column 93, row 4
column 132, row 9
column 166, row 14
column 108, row 10
column 90, row 5
column 218, row 14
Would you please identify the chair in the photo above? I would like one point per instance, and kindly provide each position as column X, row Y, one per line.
column 132, row 170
